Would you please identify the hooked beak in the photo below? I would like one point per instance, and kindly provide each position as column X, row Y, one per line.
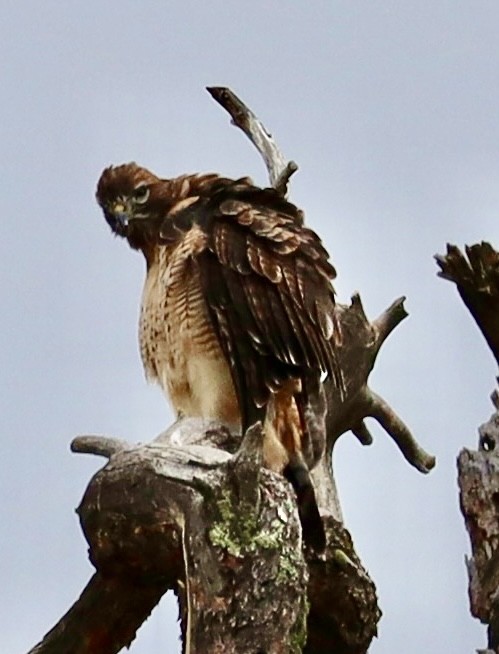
column 117, row 218
column 120, row 215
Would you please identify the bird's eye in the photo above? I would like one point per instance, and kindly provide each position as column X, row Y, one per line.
column 141, row 193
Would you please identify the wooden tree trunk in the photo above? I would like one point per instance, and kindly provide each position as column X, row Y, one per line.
column 194, row 511
column 477, row 280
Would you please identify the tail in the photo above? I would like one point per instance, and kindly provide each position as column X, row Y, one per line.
column 297, row 473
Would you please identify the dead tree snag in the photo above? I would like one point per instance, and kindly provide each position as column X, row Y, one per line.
column 194, row 511
column 476, row 276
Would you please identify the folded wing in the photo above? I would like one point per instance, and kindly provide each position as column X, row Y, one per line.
column 266, row 280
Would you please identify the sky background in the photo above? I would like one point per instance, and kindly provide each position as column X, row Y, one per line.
column 391, row 110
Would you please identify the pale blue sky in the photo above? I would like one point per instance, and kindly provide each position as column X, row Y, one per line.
column 391, row 110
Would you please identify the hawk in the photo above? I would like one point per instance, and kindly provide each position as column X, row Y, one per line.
column 237, row 317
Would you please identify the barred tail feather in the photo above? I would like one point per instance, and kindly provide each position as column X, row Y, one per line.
column 297, row 473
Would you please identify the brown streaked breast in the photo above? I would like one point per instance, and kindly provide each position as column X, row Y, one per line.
column 178, row 345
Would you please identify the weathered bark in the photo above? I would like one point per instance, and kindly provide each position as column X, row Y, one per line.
column 106, row 616
column 478, row 479
column 183, row 513
column 477, row 280
column 343, row 612
column 194, row 511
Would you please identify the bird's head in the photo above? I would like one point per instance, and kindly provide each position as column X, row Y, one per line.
column 131, row 198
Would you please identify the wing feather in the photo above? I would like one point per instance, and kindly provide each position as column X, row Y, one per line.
column 266, row 281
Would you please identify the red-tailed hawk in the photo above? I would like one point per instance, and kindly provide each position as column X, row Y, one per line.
column 237, row 319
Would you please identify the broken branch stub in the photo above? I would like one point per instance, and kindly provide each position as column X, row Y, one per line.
column 477, row 280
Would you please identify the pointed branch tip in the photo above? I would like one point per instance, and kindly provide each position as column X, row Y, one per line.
column 279, row 170
column 389, row 319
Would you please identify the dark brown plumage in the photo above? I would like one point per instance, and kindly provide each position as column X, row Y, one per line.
column 237, row 313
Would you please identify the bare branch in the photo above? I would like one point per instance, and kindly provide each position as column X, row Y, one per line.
column 362, row 342
column 394, row 427
column 278, row 168
column 389, row 319
column 100, row 445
